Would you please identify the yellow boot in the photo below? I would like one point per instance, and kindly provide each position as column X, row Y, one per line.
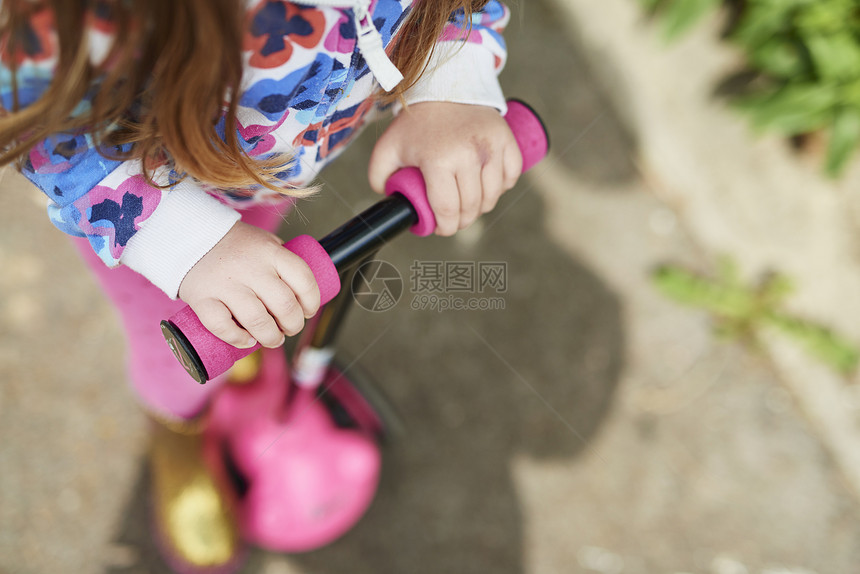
column 194, row 519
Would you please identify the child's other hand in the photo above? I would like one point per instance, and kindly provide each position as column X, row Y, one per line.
column 467, row 155
column 249, row 276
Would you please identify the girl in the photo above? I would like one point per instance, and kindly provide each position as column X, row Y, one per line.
column 170, row 137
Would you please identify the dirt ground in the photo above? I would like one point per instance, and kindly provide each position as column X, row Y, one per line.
column 588, row 426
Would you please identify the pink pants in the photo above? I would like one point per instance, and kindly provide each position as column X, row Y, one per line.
column 159, row 380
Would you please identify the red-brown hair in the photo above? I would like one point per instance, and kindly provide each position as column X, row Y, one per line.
column 164, row 85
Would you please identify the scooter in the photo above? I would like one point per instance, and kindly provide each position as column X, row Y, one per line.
column 301, row 445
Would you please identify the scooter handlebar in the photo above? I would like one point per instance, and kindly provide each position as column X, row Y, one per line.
column 205, row 356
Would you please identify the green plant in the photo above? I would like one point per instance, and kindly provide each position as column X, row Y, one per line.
column 743, row 311
column 678, row 16
column 805, row 55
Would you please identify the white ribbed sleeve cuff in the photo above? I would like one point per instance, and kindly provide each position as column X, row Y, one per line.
column 185, row 226
column 461, row 73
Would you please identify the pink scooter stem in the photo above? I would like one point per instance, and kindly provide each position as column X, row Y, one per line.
column 205, row 356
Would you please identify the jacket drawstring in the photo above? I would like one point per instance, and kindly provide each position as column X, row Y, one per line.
column 369, row 40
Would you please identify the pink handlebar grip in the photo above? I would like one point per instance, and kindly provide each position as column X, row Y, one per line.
column 216, row 356
column 531, row 137
column 320, row 263
column 205, row 356
column 529, row 131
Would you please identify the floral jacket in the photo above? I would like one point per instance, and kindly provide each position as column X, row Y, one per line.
column 310, row 68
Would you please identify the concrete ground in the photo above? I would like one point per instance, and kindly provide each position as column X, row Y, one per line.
column 589, row 426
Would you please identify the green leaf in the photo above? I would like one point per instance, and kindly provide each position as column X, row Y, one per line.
column 774, row 289
column 844, row 138
column 819, row 341
column 765, row 19
column 849, row 94
column 835, row 56
column 780, row 57
column 729, row 301
column 793, row 108
column 825, row 17
column 680, row 15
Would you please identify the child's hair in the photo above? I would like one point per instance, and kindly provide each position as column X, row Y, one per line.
column 165, row 85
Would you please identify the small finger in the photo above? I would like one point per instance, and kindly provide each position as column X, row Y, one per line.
column 492, row 181
column 513, row 165
column 216, row 317
column 252, row 314
column 469, row 184
column 444, row 199
column 281, row 303
column 297, row 275
column 384, row 161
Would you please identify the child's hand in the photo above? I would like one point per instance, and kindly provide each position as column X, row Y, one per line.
column 467, row 155
column 249, row 276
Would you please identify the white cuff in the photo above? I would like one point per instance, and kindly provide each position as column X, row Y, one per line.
column 458, row 72
column 185, row 226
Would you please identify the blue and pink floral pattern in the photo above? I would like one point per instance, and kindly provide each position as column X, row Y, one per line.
column 306, row 94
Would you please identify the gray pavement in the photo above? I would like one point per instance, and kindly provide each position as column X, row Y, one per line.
column 589, row 426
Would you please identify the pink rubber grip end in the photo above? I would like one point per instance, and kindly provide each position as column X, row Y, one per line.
column 531, row 137
column 216, row 355
column 529, row 132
